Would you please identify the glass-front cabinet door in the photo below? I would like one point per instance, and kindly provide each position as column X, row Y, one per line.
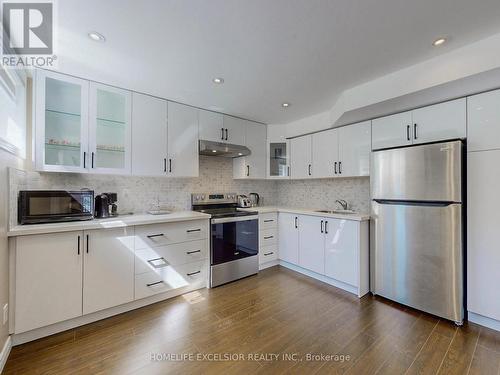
column 278, row 160
column 61, row 122
column 109, row 129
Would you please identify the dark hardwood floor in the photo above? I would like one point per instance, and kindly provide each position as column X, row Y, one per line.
column 277, row 312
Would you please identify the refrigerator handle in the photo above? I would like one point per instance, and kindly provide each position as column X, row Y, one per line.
column 414, row 203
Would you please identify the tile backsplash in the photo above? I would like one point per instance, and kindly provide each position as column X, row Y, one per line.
column 139, row 194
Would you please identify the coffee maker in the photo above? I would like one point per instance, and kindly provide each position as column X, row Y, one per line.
column 106, row 205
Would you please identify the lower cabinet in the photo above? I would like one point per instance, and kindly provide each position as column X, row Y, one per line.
column 335, row 250
column 108, row 270
column 268, row 239
column 48, row 279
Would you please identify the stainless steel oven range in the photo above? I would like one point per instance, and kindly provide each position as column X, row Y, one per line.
column 234, row 241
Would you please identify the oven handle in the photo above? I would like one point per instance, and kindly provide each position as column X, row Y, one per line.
column 234, row 219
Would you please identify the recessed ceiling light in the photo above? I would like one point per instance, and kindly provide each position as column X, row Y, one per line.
column 439, row 42
column 95, row 36
column 214, row 150
column 218, row 80
column 240, row 154
column 285, row 105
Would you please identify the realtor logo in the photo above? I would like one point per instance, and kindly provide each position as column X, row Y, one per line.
column 27, row 28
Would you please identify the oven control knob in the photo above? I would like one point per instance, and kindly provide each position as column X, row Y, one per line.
column 197, row 197
column 202, row 197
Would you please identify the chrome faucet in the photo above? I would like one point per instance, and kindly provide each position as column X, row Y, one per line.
column 343, row 203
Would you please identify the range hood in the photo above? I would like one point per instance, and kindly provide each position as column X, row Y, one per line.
column 226, row 150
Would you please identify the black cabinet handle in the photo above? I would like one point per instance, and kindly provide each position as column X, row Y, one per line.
column 266, row 254
column 335, row 167
column 87, row 243
column 155, row 235
column 322, row 226
column 226, row 134
column 193, row 230
column 268, row 237
column 340, row 167
column 309, row 169
column 84, row 159
column 415, row 131
column 165, row 165
column 193, row 252
column 248, row 171
column 193, row 273
column 407, row 132
column 288, row 171
column 78, row 245
column 221, row 134
column 158, row 282
column 326, row 227
column 296, row 224
column 169, row 165
column 92, row 160
column 268, row 221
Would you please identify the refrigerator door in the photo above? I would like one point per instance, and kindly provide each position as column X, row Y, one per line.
column 416, row 256
column 430, row 172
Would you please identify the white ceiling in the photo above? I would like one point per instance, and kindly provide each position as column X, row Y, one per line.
column 305, row 52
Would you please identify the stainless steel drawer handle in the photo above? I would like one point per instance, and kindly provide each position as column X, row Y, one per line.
column 268, row 221
column 153, row 284
column 159, row 265
column 155, row 235
column 236, row 253
column 193, row 273
column 268, row 237
column 193, row 230
column 271, row 253
column 193, row 252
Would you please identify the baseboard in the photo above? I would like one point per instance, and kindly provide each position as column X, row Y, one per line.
column 323, row 278
column 484, row 321
column 5, row 353
column 272, row 263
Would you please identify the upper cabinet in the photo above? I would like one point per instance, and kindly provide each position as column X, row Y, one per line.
column 428, row 124
column 110, row 130
column 183, row 157
column 234, row 130
column 211, row 126
column 252, row 166
column 325, row 153
column 301, row 157
column 355, row 150
column 278, row 152
column 149, row 116
column 61, row 122
column 81, row 127
column 483, row 121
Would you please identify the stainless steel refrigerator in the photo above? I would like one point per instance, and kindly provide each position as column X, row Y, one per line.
column 417, row 242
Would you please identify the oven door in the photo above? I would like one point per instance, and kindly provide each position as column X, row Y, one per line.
column 234, row 238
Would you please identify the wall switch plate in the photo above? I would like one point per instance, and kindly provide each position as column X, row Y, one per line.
column 5, row 313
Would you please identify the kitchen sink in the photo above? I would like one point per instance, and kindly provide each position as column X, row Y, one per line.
column 336, row 211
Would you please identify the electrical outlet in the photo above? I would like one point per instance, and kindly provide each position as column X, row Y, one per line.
column 5, row 313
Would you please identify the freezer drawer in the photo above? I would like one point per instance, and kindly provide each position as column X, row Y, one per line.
column 431, row 172
column 417, row 258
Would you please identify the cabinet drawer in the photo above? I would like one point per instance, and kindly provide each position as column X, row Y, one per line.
column 164, row 234
column 152, row 259
column 169, row 278
column 268, row 237
column 268, row 220
column 267, row 254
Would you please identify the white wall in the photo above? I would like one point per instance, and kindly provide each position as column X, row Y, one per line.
column 472, row 59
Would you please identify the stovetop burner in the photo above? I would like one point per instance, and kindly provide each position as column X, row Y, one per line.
column 218, row 205
column 226, row 212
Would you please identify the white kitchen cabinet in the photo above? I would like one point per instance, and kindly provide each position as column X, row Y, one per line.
column 483, row 121
column 110, row 129
column 312, row 243
column 355, row 150
column 234, row 130
column 252, row 166
column 392, row 131
column 108, row 271
column 61, row 122
column 325, row 153
column 342, row 250
column 211, row 126
column 301, row 157
column 483, row 255
column 440, row 122
column 288, row 225
column 149, row 135
column 48, row 279
column 278, row 152
column 183, row 156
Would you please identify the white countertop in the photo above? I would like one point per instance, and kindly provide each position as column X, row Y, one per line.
column 113, row 222
column 311, row 212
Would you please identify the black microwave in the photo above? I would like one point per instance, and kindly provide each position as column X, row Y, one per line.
column 49, row 206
